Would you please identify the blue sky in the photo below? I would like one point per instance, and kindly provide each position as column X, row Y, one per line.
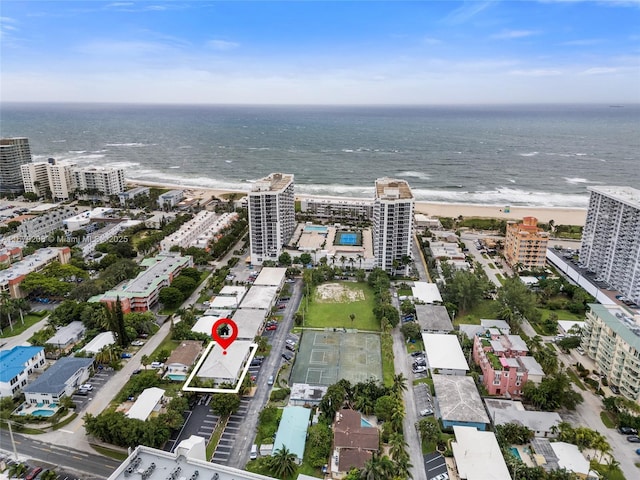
column 313, row 52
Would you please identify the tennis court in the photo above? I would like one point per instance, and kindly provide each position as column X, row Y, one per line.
column 324, row 357
column 348, row 238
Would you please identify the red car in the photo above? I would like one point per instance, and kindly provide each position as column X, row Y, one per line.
column 272, row 327
column 33, row 473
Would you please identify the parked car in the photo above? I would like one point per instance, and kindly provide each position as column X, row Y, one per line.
column 255, row 363
column 137, row 343
column 157, row 365
column 580, row 350
column 290, row 348
column 417, row 354
column 272, row 327
column 287, row 356
column 419, row 369
column 86, row 386
column 426, row 412
column 614, row 389
column 628, row 431
column 420, row 363
column 136, row 372
column 125, row 355
column 33, row 473
column 638, row 451
column 290, row 342
column 633, row 439
column 82, row 391
column 270, row 381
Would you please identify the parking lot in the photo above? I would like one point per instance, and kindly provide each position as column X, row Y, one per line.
column 228, row 438
column 423, row 399
column 199, row 421
column 97, row 382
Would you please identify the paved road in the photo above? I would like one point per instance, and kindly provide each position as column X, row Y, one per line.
column 402, row 365
column 36, row 452
column 246, row 432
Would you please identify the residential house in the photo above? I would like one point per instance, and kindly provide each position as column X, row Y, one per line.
column 353, row 442
column 59, row 380
column 292, row 431
column 182, row 359
column 15, row 367
column 149, row 401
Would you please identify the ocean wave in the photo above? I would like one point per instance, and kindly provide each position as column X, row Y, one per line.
column 576, row 180
column 412, row 174
column 131, row 144
column 58, row 141
column 529, row 154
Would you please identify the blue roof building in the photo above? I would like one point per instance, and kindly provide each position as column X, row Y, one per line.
column 292, row 431
column 15, row 367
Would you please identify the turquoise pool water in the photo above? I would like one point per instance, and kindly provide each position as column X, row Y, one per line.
column 515, row 453
column 316, row 228
column 42, row 413
column 176, row 377
column 364, row 423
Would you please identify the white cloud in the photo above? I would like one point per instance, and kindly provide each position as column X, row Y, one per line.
column 583, row 43
column 510, row 34
column 536, row 72
column 431, row 41
column 467, row 11
column 222, row 45
column 600, row 71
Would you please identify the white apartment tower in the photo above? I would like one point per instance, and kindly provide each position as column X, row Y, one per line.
column 271, row 216
column 107, row 181
column 35, row 177
column 392, row 223
column 14, row 152
column 611, row 238
column 56, row 177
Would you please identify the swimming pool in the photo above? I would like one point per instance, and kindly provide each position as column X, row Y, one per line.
column 316, row 228
column 364, row 423
column 43, row 413
column 515, row 453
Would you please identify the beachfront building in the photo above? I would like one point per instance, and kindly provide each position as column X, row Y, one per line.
column 170, row 199
column 187, row 461
column 12, row 277
column 83, row 219
column 392, row 223
column 49, row 179
column 525, row 244
column 449, row 252
column 15, row 367
column 59, row 380
column 142, row 293
column 14, row 152
column 129, row 195
column 199, row 231
column 504, row 363
column 611, row 239
column 271, row 216
column 336, row 209
column 611, row 337
column 99, row 180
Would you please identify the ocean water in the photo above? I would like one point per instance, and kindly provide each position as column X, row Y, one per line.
column 500, row 155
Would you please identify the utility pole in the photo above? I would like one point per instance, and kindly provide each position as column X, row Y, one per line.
column 13, row 442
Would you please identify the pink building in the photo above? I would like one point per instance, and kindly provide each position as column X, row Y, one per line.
column 501, row 359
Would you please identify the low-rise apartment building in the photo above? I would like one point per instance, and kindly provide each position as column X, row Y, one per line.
column 500, row 358
column 199, row 231
column 129, row 195
column 334, row 209
column 15, row 367
column 12, row 277
column 142, row 293
column 39, row 227
column 170, row 199
column 59, row 380
column 525, row 244
column 611, row 337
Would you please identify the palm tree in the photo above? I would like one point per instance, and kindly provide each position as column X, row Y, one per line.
column 343, row 259
column 352, row 261
column 377, row 468
column 17, row 470
column 283, row 463
column 49, row 475
column 145, row 360
column 397, row 445
column 6, row 306
column 399, row 384
column 360, row 258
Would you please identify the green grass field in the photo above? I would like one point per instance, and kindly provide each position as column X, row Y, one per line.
column 18, row 327
column 336, row 314
column 484, row 309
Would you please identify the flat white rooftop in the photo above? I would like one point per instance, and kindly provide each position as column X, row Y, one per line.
column 459, row 400
column 478, row 455
column 146, row 403
column 624, row 194
column 426, row 292
column 270, row 276
column 444, row 352
column 259, row 297
column 99, row 342
column 218, row 365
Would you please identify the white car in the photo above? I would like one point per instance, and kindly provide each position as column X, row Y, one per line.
column 137, row 343
column 419, row 369
column 157, row 365
column 86, row 386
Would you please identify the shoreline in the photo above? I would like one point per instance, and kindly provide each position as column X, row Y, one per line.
column 560, row 215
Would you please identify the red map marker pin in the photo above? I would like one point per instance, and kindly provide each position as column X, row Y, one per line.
column 224, row 342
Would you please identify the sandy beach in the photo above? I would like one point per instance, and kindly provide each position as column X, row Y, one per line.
column 560, row 216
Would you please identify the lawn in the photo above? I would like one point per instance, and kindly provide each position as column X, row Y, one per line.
column 337, row 313
column 484, row 309
column 607, row 420
column 562, row 314
column 575, row 379
column 18, row 327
